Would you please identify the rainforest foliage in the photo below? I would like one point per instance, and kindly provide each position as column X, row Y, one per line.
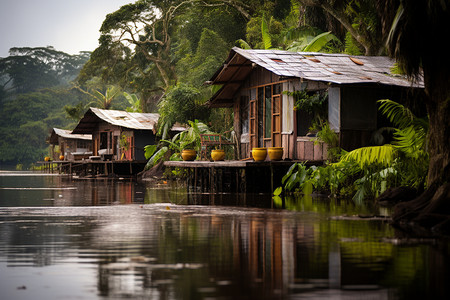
column 155, row 55
column 159, row 51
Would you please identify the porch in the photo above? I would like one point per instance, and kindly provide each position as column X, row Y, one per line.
column 234, row 176
column 91, row 168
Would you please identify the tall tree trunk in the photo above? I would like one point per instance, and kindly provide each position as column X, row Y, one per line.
column 437, row 84
column 431, row 210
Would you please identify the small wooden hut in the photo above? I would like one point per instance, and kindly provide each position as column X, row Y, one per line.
column 256, row 84
column 69, row 145
column 118, row 135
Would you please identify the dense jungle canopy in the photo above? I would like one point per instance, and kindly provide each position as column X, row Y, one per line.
column 163, row 51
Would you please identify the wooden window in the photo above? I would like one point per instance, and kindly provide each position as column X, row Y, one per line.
column 244, row 114
column 253, row 119
column 260, row 117
column 267, row 111
column 276, row 121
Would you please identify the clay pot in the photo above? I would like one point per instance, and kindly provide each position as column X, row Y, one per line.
column 259, row 154
column 61, row 157
column 275, row 153
column 47, row 158
column 218, row 154
column 188, row 154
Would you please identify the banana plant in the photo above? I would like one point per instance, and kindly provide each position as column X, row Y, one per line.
column 135, row 102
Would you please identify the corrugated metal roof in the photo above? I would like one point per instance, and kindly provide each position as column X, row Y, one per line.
column 69, row 135
column 323, row 67
column 334, row 68
column 131, row 120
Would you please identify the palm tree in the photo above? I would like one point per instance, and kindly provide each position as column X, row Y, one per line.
column 105, row 100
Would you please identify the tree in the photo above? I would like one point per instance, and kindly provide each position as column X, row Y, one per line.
column 29, row 69
column 414, row 26
column 180, row 104
column 360, row 18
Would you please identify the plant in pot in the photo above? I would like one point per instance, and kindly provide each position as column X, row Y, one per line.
column 188, row 143
column 124, row 146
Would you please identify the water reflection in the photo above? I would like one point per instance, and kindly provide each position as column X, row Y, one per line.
column 168, row 251
column 37, row 189
column 170, row 245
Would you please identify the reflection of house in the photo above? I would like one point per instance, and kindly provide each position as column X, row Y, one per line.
column 118, row 135
column 253, row 82
column 71, row 146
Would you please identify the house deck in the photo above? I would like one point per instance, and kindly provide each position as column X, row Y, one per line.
column 94, row 168
column 243, row 176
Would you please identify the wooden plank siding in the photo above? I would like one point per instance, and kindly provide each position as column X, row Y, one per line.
column 311, row 150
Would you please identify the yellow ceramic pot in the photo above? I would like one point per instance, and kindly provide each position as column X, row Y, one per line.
column 61, row 157
column 259, row 154
column 218, row 154
column 275, row 153
column 47, row 158
column 188, row 154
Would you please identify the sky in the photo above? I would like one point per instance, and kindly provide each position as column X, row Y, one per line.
column 70, row 26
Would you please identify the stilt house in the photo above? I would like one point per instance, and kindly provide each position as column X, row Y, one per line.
column 71, row 146
column 118, row 135
column 257, row 85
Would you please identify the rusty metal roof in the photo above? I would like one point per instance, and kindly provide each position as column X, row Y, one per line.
column 53, row 139
column 131, row 120
column 324, row 67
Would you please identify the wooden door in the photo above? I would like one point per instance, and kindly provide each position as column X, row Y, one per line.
column 128, row 153
column 276, row 121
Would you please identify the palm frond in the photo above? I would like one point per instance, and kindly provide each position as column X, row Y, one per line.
column 366, row 156
column 398, row 114
column 243, row 44
column 320, row 41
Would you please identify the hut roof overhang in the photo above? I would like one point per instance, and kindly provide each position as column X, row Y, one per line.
column 124, row 119
column 67, row 134
column 338, row 69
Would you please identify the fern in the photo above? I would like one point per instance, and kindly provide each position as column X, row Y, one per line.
column 399, row 115
column 366, row 156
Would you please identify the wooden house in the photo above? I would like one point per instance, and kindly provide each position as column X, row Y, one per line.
column 256, row 84
column 118, row 135
column 71, row 146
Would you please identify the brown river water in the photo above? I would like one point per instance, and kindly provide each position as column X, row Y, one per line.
column 77, row 239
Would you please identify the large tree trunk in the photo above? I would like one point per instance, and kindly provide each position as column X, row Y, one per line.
column 431, row 210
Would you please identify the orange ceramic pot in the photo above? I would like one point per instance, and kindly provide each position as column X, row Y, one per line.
column 47, row 158
column 61, row 157
column 275, row 153
column 218, row 154
column 188, row 154
column 259, row 154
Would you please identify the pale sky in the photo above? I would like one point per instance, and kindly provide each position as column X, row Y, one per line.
column 70, row 26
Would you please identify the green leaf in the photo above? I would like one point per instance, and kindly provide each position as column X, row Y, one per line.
column 149, row 150
column 320, row 41
column 289, row 173
column 278, row 191
column 265, row 34
column 156, row 158
column 366, row 156
column 277, row 201
column 243, row 44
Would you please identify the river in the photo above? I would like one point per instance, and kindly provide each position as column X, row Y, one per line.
column 103, row 239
